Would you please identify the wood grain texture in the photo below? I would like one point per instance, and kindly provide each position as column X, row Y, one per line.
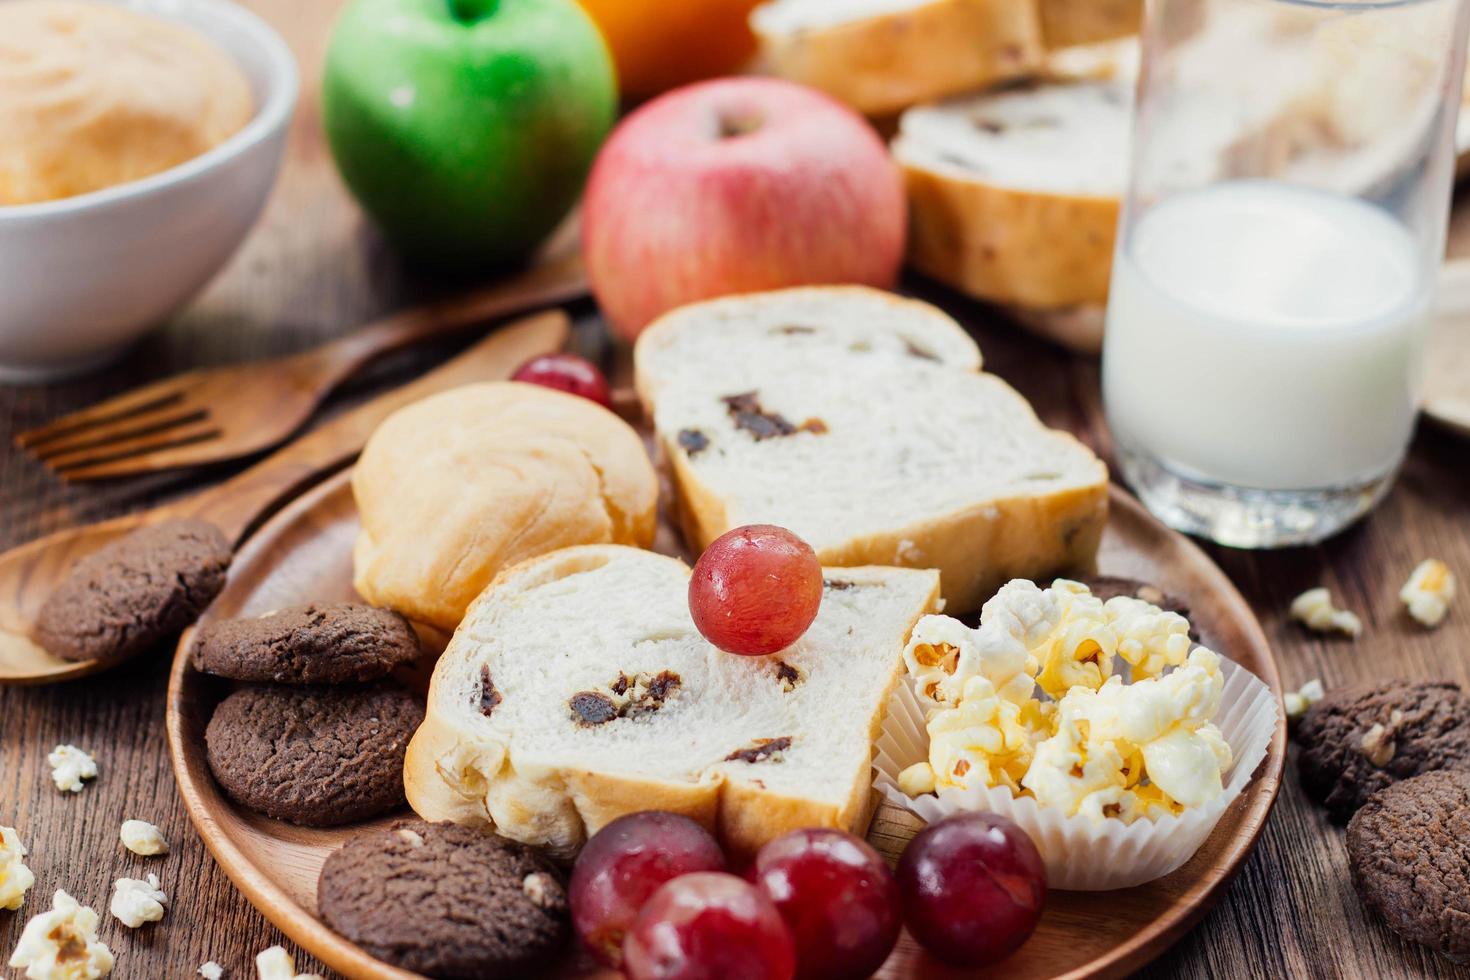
column 312, row 270
column 306, row 552
column 31, row 572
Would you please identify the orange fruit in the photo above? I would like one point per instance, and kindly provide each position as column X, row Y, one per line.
column 661, row 44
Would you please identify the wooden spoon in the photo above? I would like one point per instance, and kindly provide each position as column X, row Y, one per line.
column 30, row 572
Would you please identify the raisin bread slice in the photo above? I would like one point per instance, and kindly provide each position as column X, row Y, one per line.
column 1014, row 197
column 861, row 421
column 882, row 56
column 577, row 689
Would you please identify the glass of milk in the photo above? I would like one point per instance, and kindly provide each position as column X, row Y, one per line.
column 1276, row 258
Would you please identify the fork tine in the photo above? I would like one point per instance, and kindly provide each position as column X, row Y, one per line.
column 141, row 455
column 158, row 395
column 154, row 427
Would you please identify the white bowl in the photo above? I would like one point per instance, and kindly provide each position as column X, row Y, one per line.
column 83, row 277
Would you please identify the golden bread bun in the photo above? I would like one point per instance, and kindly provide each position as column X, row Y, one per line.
column 456, row 487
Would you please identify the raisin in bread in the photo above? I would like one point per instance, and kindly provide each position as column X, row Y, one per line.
column 1013, row 197
column 861, row 421
column 577, row 689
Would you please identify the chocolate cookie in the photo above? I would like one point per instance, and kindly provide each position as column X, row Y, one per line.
column 138, row 590
column 1409, row 850
column 317, row 756
column 326, row 644
column 445, row 901
column 1358, row 740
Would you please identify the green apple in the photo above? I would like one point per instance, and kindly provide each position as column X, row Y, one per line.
column 466, row 127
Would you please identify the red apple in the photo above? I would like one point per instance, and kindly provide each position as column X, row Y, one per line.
column 735, row 186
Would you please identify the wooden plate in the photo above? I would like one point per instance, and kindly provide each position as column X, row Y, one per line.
column 305, row 553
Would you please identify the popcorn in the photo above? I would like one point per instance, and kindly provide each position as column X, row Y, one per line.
column 1315, row 609
column 1103, row 748
column 985, row 739
column 62, row 944
column 1297, row 702
column 1429, row 591
column 1080, row 652
column 943, row 654
column 15, row 878
column 917, row 779
column 142, row 838
column 1113, row 738
column 1150, row 639
column 136, row 901
column 276, row 964
column 70, row 766
column 211, row 970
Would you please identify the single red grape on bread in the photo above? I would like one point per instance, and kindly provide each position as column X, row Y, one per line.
column 755, row 590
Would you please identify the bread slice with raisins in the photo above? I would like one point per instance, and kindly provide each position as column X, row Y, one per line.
column 882, row 56
column 577, row 689
column 862, row 421
column 1014, row 197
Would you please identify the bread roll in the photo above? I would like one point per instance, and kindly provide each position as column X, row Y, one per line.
column 458, row 486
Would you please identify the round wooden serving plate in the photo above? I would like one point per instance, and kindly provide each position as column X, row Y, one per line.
column 305, row 554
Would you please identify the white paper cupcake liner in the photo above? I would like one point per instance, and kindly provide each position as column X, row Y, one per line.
column 1082, row 854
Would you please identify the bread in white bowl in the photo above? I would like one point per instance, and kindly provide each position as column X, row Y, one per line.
column 577, row 689
column 862, row 422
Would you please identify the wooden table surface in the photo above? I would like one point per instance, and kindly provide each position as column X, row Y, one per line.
column 313, row 270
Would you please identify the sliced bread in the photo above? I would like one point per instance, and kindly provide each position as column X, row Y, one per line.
column 1014, row 197
column 1065, row 23
column 881, row 56
column 861, row 421
column 577, row 689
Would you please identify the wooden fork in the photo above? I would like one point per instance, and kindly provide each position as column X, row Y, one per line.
column 224, row 413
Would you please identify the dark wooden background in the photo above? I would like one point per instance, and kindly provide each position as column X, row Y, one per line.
column 313, row 270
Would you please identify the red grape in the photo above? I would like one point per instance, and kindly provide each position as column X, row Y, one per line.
column 709, row 926
column 566, row 372
column 623, row 864
column 838, row 899
column 755, row 590
column 973, row 885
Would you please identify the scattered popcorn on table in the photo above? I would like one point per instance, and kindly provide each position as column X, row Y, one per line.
column 1297, row 702
column 1429, row 591
column 70, row 766
column 62, row 944
column 276, row 964
column 1102, row 748
column 1314, row 608
column 135, row 901
column 142, row 838
column 211, row 971
column 15, row 878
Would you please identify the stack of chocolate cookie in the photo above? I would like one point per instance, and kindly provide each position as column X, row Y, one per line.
column 1392, row 760
column 316, row 735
